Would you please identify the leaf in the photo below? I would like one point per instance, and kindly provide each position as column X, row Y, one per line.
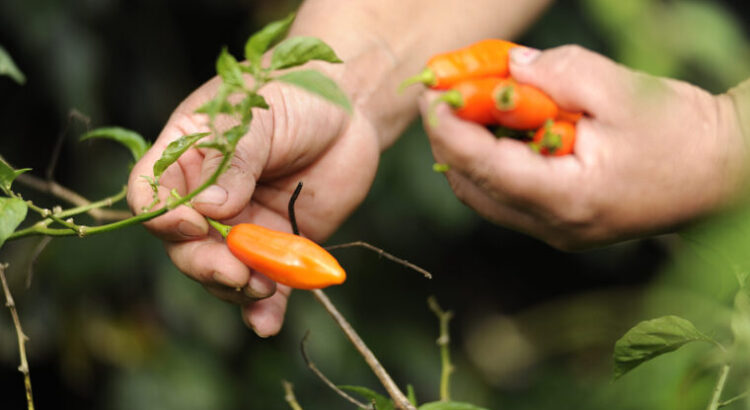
column 449, row 405
column 131, row 139
column 245, row 106
column 12, row 213
column 229, row 69
column 174, row 150
column 316, row 83
column 266, row 38
column 381, row 402
column 653, row 338
column 296, row 51
column 411, row 394
column 9, row 68
column 8, row 174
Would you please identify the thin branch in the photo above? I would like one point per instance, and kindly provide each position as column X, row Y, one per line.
column 382, row 253
column 71, row 197
column 734, row 399
column 22, row 338
column 444, row 342
column 73, row 114
column 719, row 388
column 289, row 395
column 326, row 380
column 292, row 201
column 34, row 256
column 385, row 379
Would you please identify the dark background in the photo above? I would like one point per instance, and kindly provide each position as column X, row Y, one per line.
column 113, row 325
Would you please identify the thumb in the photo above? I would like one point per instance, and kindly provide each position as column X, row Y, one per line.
column 576, row 78
column 232, row 191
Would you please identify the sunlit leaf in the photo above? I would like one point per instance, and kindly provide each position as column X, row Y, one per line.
column 8, row 174
column 174, row 150
column 449, row 405
column 12, row 213
column 381, row 402
column 653, row 338
column 296, row 51
column 9, row 68
column 318, row 84
column 229, row 69
column 266, row 38
column 131, row 139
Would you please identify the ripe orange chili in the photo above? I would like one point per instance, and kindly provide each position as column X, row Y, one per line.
column 284, row 257
column 482, row 59
column 472, row 99
column 556, row 138
column 521, row 106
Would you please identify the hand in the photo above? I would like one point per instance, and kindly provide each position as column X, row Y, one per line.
column 651, row 154
column 301, row 138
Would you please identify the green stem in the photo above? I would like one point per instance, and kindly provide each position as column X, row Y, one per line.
column 715, row 399
column 223, row 229
column 40, row 229
column 98, row 204
column 734, row 399
column 444, row 342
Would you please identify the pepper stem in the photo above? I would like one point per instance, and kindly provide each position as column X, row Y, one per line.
column 453, row 98
column 505, row 97
column 223, row 229
column 426, row 77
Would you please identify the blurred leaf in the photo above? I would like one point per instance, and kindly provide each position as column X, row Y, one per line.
column 381, row 402
column 653, row 338
column 245, row 106
column 296, row 51
column 174, row 150
column 229, row 69
column 235, row 133
column 449, row 405
column 318, row 84
column 9, row 68
column 131, row 139
column 12, row 213
column 411, row 394
column 8, row 174
column 264, row 39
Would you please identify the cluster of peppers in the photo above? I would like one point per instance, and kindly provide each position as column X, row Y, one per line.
column 479, row 88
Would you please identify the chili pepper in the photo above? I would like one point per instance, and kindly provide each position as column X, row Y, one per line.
column 521, row 106
column 472, row 99
column 482, row 59
column 286, row 258
column 570, row 116
column 556, row 138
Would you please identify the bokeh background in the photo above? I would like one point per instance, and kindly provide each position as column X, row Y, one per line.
column 113, row 324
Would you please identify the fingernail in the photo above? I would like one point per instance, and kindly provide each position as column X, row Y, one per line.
column 187, row 228
column 260, row 287
column 213, row 195
column 225, row 280
column 524, row 55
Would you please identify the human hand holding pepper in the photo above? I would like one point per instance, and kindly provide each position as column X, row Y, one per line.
column 650, row 155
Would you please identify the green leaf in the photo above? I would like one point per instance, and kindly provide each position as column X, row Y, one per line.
column 296, row 51
column 9, row 68
column 381, row 402
column 12, row 213
column 411, row 394
column 246, row 106
column 174, row 150
column 316, row 83
column 266, row 38
column 8, row 174
column 449, row 405
column 229, row 69
column 131, row 139
column 653, row 338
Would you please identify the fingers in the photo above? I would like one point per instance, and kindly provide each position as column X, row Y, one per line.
column 576, row 78
column 504, row 166
column 266, row 316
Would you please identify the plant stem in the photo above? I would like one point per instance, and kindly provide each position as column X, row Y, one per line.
column 385, row 379
column 289, row 395
column 146, row 216
column 22, row 338
column 719, row 388
column 734, row 399
column 223, row 229
column 444, row 342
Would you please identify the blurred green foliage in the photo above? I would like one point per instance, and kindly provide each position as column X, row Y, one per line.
column 114, row 325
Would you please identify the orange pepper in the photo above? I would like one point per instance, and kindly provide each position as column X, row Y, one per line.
column 556, row 138
column 521, row 106
column 472, row 100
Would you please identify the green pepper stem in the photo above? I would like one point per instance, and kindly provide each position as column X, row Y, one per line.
column 505, row 97
column 426, row 77
column 453, row 98
column 223, row 229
